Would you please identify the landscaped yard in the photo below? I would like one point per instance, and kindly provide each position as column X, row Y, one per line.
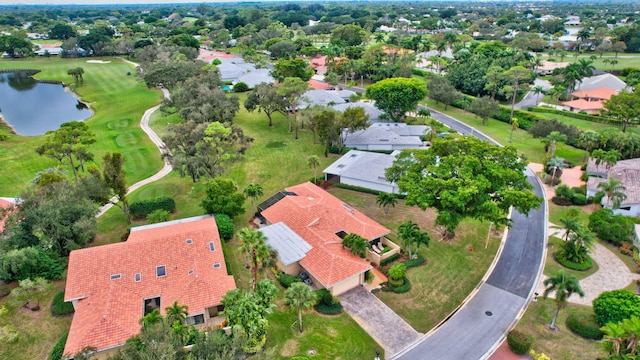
column 118, row 101
column 552, row 266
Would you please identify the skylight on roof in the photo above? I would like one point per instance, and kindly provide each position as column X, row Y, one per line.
column 216, row 265
column 212, row 246
column 161, row 271
column 190, row 272
column 189, row 241
column 115, row 276
column 137, row 277
column 340, row 166
column 354, row 155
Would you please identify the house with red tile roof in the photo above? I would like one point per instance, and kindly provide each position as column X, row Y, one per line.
column 306, row 224
column 113, row 286
column 590, row 101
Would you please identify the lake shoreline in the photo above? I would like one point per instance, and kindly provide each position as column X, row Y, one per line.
column 4, row 123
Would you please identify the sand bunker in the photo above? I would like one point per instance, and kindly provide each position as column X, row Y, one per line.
column 98, row 61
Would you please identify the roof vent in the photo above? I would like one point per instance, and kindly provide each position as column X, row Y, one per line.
column 190, row 272
column 212, row 246
column 115, row 276
column 216, row 265
column 189, row 241
column 137, row 277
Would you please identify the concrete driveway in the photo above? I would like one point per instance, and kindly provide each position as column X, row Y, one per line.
column 378, row 320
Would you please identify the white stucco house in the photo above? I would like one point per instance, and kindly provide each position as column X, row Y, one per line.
column 364, row 169
column 388, row 136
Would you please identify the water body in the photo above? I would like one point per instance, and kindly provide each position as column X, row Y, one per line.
column 33, row 108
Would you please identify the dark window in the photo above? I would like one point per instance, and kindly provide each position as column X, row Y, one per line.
column 151, row 304
column 627, row 208
column 115, row 276
column 137, row 277
column 212, row 246
column 341, row 234
column 195, row 319
column 161, row 271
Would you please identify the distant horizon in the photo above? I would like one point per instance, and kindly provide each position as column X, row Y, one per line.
column 169, row 2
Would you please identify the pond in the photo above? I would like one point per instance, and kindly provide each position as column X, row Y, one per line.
column 33, row 108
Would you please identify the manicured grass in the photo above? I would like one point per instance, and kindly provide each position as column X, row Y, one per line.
column 624, row 60
column 552, row 266
column 118, row 102
column 331, row 337
column 532, row 149
column 583, row 124
column 561, row 344
column 556, row 212
column 39, row 330
column 451, row 272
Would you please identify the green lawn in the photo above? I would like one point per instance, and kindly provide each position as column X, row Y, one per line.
column 330, row 337
column 552, row 266
column 118, row 102
column 624, row 59
column 583, row 124
column 533, row 149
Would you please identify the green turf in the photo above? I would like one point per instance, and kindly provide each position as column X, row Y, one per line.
column 118, row 102
column 624, row 60
column 552, row 266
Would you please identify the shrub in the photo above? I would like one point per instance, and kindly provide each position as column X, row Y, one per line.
column 519, row 342
column 584, row 325
column 59, row 306
column 579, row 199
column 286, row 280
column 240, row 87
column 225, row 226
column 404, row 287
column 419, row 260
column 583, row 266
column 390, row 259
column 541, row 129
column 327, row 303
column 4, row 289
column 396, row 274
column 58, row 349
column 29, row 262
column 9, row 334
column 141, row 209
column 158, row 216
column 615, row 306
column 626, row 249
column 614, row 228
column 564, row 195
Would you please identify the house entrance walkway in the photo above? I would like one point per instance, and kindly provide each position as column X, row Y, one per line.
column 378, row 320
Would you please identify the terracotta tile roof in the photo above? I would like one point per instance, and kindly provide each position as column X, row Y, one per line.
column 4, row 203
column 317, row 85
column 582, row 104
column 598, row 93
column 316, row 216
column 107, row 311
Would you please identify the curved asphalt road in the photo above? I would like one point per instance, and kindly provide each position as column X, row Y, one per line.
column 478, row 327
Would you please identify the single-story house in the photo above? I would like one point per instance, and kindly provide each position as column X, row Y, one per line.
column 602, row 81
column 375, row 114
column 628, row 173
column 113, row 286
column 255, row 77
column 321, row 97
column 590, row 101
column 306, row 225
column 364, row 169
column 51, row 49
column 547, row 67
column 387, row 136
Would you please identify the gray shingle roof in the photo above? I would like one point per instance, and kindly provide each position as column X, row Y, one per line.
column 256, row 77
column 320, row 97
column 291, row 248
column 363, row 165
column 600, row 81
column 403, row 129
column 376, row 135
column 628, row 173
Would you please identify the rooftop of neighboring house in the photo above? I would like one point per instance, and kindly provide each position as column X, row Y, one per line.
column 625, row 171
column 369, row 108
column 582, row 104
column 602, row 81
column 363, row 165
column 318, row 217
column 550, row 66
column 180, row 260
column 381, row 135
column 602, row 93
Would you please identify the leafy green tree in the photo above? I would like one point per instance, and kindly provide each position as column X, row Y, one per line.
column 609, row 227
column 261, row 255
column 216, row 345
column 441, row 90
column 169, row 73
column 313, row 162
column 564, row 286
column 396, row 96
column 397, row 273
column 615, row 306
column 494, row 78
column 226, row 229
column 292, row 68
column 292, row 89
column 624, row 107
column 349, row 35
column 356, row 243
column 222, row 197
column 385, row 201
column 156, row 340
column 61, row 31
column 464, row 178
column 253, row 191
column 15, row 46
column 352, row 119
column 615, row 192
column 114, row 178
column 265, row 98
column 484, row 107
column 185, row 40
column 299, row 297
column 66, row 142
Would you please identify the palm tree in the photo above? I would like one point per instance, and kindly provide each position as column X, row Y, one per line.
column 410, row 234
column 385, row 201
column 572, row 74
column 582, row 36
column 151, row 318
column 177, row 313
column 586, row 67
column 435, row 127
column 614, row 190
column 555, row 163
column 610, row 158
column 552, row 140
column 539, row 89
column 253, row 191
column 613, row 63
column 299, row 297
column 313, row 162
column 379, row 37
column 564, row 286
column 588, row 139
column 570, row 225
column 514, row 125
column 441, row 47
column 261, row 255
column 614, row 338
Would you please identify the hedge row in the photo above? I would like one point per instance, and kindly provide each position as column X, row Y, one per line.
column 333, row 309
column 141, row 209
column 287, row 280
column 419, row 260
column 225, row 226
column 390, row 259
column 59, row 306
column 520, row 343
column 58, row 349
column 573, row 265
column 584, row 325
column 362, row 190
column 572, row 114
column 405, row 287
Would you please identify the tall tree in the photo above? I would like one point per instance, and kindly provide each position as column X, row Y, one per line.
column 614, row 190
column 464, row 178
column 564, row 286
column 385, row 201
column 484, row 107
column 518, row 77
column 352, row 119
column 292, row 68
column 588, row 140
column 292, row 89
column 624, row 107
column 441, row 90
column 551, row 142
column 299, row 297
column 253, row 191
column 396, row 96
column 265, row 98
column 66, row 142
column 313, row 162
column 260, row 253
column 114, row 177
column 222, row 197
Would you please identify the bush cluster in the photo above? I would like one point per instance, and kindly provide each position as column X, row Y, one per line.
column 326, row 303
column 609, row 227
column 419, row 260
column 390, row 259
column 615, row 306
column 240, row 87
column 58, row 349
column 286, row 280
column 59, row 306
column 583, row 266
column 30, row 262
column 543, row 128
column 519, row 342
column 225, row 226
column 571, row 114
column 140, row 209
column 584, row 325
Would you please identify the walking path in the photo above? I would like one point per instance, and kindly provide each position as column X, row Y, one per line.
column 612, row 274
column 166, row 169
column 378, row 320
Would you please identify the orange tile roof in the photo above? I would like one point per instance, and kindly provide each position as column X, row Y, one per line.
column 317, row 85
column 316, row 216
column 582, row 104
column 107, row 311
column 599, row 93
